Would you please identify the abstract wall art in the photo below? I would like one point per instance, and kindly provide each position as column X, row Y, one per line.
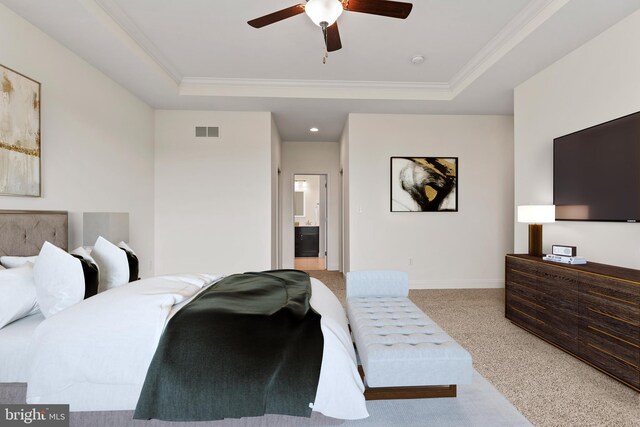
column 19, row 134
column 424, row 184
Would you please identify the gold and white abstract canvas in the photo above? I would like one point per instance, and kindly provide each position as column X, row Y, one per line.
column 19, row 134
column 424, row 184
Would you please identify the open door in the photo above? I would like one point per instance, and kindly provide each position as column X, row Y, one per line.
column 310, row 221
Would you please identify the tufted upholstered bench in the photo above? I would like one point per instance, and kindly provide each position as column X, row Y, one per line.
column 403, row 353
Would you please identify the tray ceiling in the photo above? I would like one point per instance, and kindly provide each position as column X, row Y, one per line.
column 201, row 54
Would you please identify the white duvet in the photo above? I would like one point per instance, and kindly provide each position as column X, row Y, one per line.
column 94, row 355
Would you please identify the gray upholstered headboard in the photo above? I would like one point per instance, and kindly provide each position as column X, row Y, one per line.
column 22, row 233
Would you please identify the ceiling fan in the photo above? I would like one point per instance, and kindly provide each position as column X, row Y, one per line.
column 324, row 14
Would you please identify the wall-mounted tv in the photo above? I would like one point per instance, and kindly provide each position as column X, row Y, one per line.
column 596, row 172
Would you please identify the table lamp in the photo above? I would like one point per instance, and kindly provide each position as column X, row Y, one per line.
column 535, row 216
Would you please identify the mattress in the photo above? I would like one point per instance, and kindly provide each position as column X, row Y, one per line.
column 14, row 348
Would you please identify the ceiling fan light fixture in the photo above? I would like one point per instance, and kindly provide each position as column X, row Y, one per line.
column 323, row 11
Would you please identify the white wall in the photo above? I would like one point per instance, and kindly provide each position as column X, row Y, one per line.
column 213, row 196
column 464, row 249
column 311, row 158
column 596, row 83
column 97, row 138
column 276, row 149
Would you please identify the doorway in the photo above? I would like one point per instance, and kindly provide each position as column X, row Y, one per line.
column 310, row 221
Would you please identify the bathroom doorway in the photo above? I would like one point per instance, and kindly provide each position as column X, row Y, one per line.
column 310, row 221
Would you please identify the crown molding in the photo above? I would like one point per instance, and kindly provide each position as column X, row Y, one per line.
column 332, row 89
column 530, row 18
column 134, row 34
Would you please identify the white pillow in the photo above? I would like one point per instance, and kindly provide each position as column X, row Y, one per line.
column 84, row 253
column 133, row 262
column 123, row 245
column 90, row 270
column 17, row 294
column 16, row 261
column 112, row 263
column 59, row 280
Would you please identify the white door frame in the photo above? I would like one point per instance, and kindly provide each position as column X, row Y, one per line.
column 324, row 228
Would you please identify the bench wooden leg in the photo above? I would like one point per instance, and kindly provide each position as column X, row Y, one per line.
column 413, row 392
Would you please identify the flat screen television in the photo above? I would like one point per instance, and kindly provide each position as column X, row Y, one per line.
column 596, row 172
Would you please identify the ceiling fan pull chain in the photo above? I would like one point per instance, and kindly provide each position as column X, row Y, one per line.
column 323, row 25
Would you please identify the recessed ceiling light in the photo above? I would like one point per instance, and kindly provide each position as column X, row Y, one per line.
column 314, row 130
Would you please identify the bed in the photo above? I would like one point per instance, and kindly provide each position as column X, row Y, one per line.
column 22, row 233
column 92, row 359
column 14, row 348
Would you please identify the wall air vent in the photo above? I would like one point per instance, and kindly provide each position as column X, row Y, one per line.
column 207, row 132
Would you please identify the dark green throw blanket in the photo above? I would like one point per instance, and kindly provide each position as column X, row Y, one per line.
column 249, row 345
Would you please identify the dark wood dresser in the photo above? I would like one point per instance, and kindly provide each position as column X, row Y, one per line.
column 591, row 311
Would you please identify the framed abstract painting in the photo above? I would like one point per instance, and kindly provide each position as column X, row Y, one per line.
column 424, row 184
column 19, row 134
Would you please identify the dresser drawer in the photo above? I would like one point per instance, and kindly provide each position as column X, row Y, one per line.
column 523, row 292
column 613, row 364
column 626, row 351
column 615, row 322
column 560, row 277
column 560, row 299
column 525, row 305
column 563, row 330
column 521, row 316
column 621, row 291
column 518, row 275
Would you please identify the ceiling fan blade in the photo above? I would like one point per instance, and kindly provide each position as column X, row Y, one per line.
column 277, row 16
column 392, row 9
column 333, row 38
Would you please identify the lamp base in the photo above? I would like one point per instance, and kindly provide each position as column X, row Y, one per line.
column 535, row 240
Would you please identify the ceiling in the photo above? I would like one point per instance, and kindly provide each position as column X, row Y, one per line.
column 201, row 54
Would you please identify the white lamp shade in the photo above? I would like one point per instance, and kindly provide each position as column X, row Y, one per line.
column 323, row 11
column 113, row 226
column 536, row 214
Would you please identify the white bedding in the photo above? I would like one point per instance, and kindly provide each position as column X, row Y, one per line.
column 14, row 348
column 94, row 355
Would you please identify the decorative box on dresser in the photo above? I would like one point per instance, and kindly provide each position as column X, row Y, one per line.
column 591, row 311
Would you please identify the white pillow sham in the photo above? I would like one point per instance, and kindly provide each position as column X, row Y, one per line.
column 133, row 262
column 16, row 261
column 90, row 270
column 84, row 253
column 112, row 263
column 17, row 294
column 59, row 280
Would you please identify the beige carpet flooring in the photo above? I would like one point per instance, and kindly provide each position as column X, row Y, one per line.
column 548, row 386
